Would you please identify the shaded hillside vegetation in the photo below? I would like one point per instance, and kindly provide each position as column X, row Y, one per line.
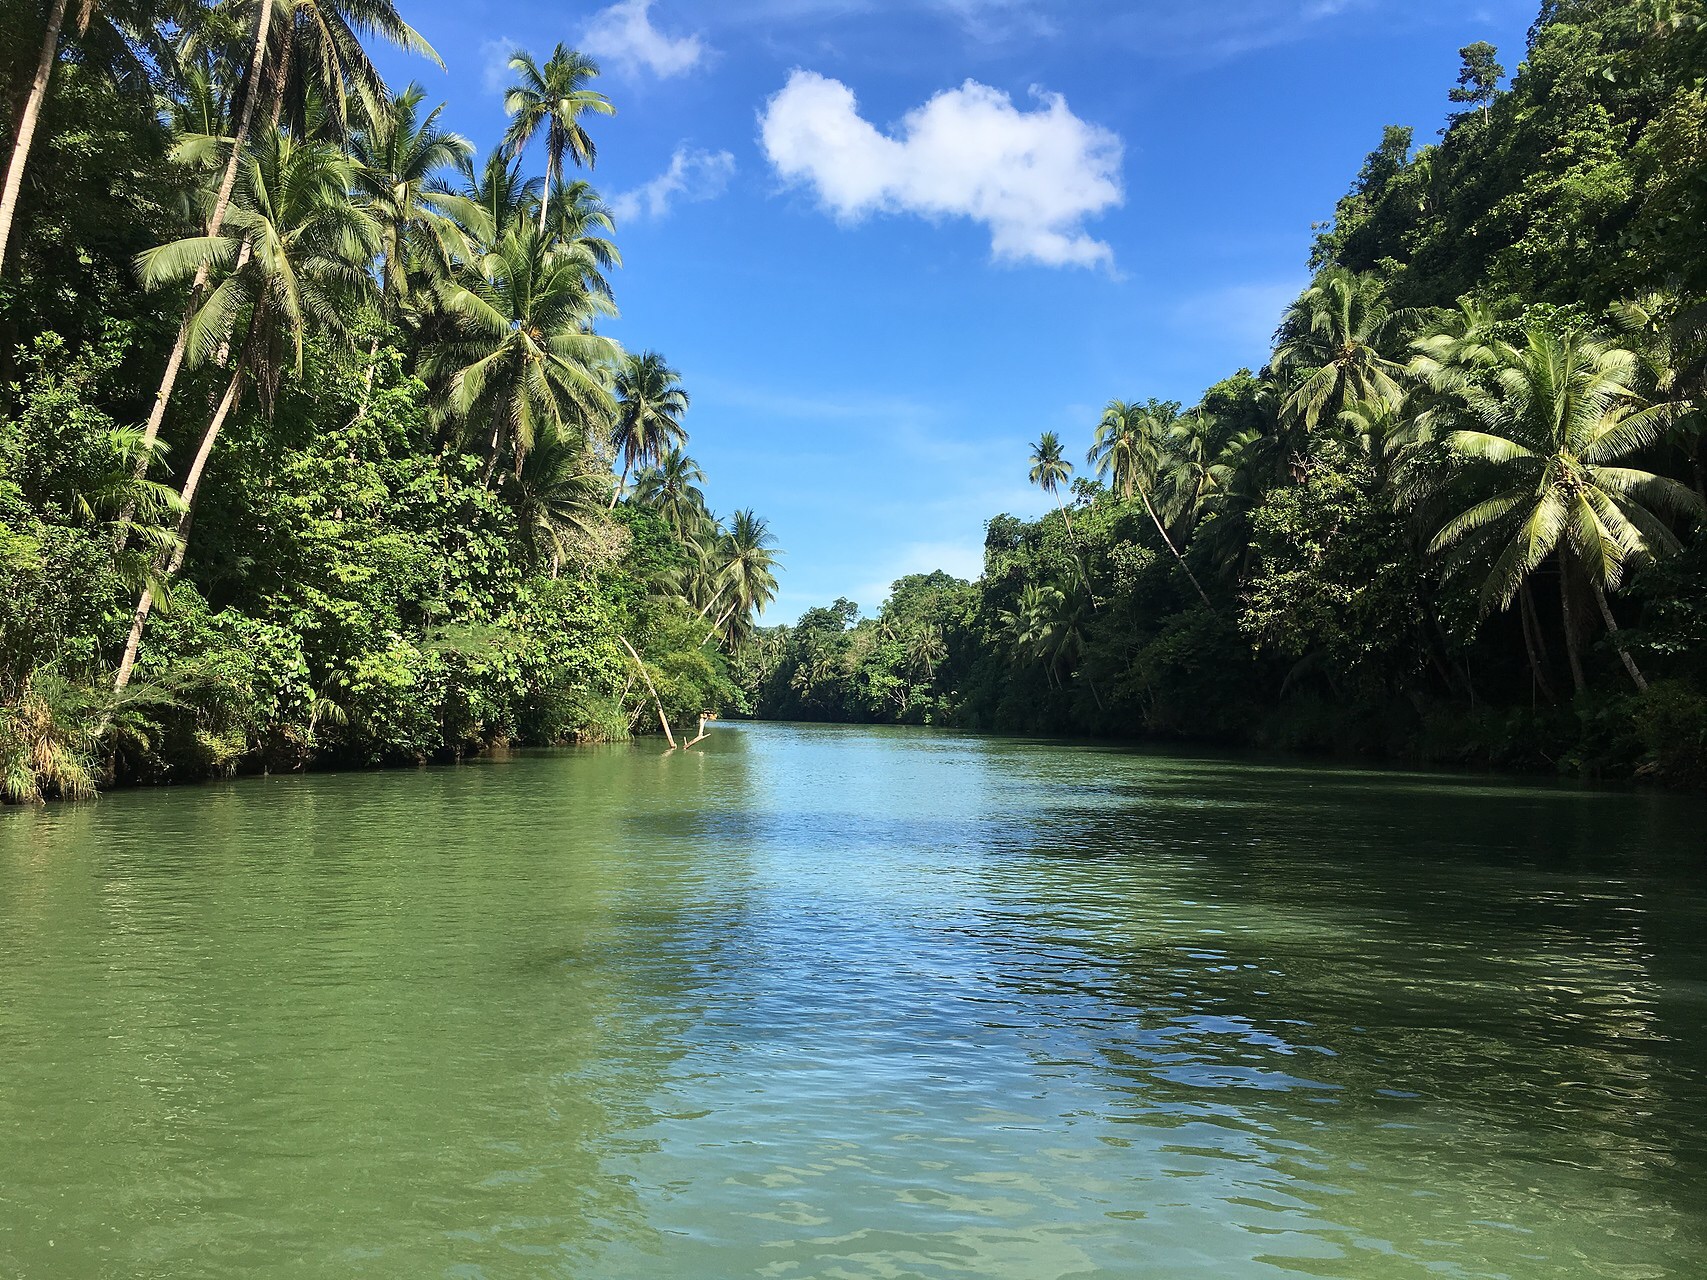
column 1458, row 515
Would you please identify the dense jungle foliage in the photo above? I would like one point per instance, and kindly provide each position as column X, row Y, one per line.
column 242, row 279
column 1457, row 517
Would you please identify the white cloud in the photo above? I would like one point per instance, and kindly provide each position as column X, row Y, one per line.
column 1032, row 177
column 624, row 34
column 693, row 175
column 495, row 63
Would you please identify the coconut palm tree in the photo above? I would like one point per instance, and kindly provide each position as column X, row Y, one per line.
column 925, row 650
column 104, row 40
column 558, row 497
column 1545, row 425
column 580, row 221
column 553, row 97
column 1046, row 625
column 215, row 224
column 308, row 250
column 1050, row 470
column 523, row 359
column 746, row 559
column 1381, row 430
column 1189, row 468
column 1671, row 337
column 650, row 402
column 398, row 155
column 498, row 194
column 1129, row 449
column 318, row 60
column 1334, row 339
column 671, row 488
column 321, row 39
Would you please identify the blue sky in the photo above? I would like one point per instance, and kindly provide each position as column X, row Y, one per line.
column 889, row 242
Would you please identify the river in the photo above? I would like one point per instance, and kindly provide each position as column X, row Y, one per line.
column 847, row 1002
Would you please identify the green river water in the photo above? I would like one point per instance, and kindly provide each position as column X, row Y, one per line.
column 840, row 1002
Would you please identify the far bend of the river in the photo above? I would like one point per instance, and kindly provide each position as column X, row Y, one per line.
column 824, row 1003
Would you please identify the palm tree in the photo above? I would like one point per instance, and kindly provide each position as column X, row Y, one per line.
column 498, row 192
column 397, row 155
column 322, row 41
column 650, row 402
column 1545, row 425
column 580, row 221
column 109, row 37
column 1050, row 470
column 215, row 225
column 671, row 488
column 1189, row 464
column 524, row 357
column 320, row 59
column 558, row 497
column 553, row 97
column 1334, row 338
column 926, row 650
column 308, row 252
column 1382, row 429
column 747, row 567
column 1128, row 448
column 1671, row 337
column 1046, row 626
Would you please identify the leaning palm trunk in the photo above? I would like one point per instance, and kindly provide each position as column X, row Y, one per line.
column 192, row 482
column 27, row 120
column 1162, row 529
column 1612, row 630
column 706, row 607
column 1068, row 518
column 1078, row 558
column 216, row 220
column 663, row 720
column 718, row 625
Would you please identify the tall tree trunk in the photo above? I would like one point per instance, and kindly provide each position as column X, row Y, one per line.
column 221, row 204
column 367, row 380
column 621, row 484
column 1531, row 630
column 1078, row 559
column 706, row 607
column 27, row 120
column 1161, row 529
column 725, row 618
column 281, row 81
column 1065, row 515
column 545, row 195
column 1612, row 630
column 1571, row 650
column 663, row 720
column 192, row 482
